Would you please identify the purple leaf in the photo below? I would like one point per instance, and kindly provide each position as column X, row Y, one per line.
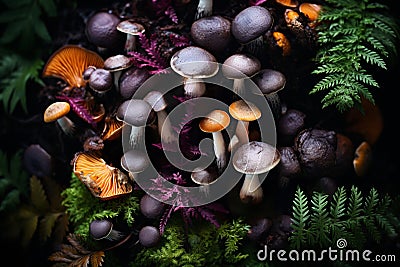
column 79, row 107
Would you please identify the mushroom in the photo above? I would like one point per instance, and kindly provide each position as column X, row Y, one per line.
column 69, row 62
column 289, row 165
column 194, row 63
column 87, row 72
column 287, row 3
column 283, row 42
column 136, row 113
column 204, row 8
column 344, row 156
column 101, row 30
column 289, row 125
column 244, row 112
column 239, row 67
column 104, row 229
column 150, row 207
column 204, row 177
column 100, row 81
column 215, row 28
column 149, row 236
column 362, row 158
column 311, row 11
column 270, row 82
column 132, row 29
column 158, row 103
column 57, row 111
column 134, row 162
column 130, row 81
column 37, row 161
column 116, row 64
column 252, row 159
column 259, row 229
column 249, row 26
column 216, row 121
column 112, row 128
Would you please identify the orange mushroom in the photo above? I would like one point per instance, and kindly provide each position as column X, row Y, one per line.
column 287, row 3
column 69, row 62
column 311, row 11
column 112, row 128
column 282, row 42
column 362, row 159
column 103, row 181
column 57, row 111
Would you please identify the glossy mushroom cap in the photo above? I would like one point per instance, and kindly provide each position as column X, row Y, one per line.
column 100, row 80
column 287, row 3
column 216, row 120
column 289, row 165
column 212, row 33
column 117, row 62
column 37, row 161
column 87, row 72
column 130, row 27
column 362, row 159
column 136, row 112
column 100, row 229
column 131, row 80
column 289, row 125
column 150, row 207
column 156, row 100
column 56, row 110
column 311, row 11
column 101, row 30
column 255, row 158
column 244, row 111
column 135, row 161
column 149, row 236
column 270, row 81
column 194, row 62
column 240, row 66
column 251, row 23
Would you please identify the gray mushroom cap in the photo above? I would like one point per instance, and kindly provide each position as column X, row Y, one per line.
column 100, row 229
column 255, row 158
column 37, row 161
column 117, row 62
column 100, row 80
column 194, row 62
column 240, row 66
column 135, row 112
column 101, row 30
column 149, row 236
column 150, row 207
column 212, row 33
column 270, row 81
column 135, row 161
column 131, row 80
column 204, row 176
column 130, row 27
column 156, row 100
column 251, row 23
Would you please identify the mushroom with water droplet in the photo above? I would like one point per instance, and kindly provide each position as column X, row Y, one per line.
column 57, row 111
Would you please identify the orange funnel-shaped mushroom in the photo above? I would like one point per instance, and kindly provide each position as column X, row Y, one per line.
column 112, row 128
column 69, row 62
column 103, row 181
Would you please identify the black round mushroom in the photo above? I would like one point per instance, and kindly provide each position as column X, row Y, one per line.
column 150, row 207
column 100, row 80
column 37, row 161
column 326, row 185
column 130, row 81
column 149, row 236
column 215, row 28
column 289, row 125
column 104, row 229
column 249, row 26
column 289, row 166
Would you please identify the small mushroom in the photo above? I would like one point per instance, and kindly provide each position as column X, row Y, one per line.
column 57, row 111
column 362, row 159
column 288, row 3
column 158, row 103
column 104, row 229
column 289, row 166
column 194, row 64
column 204, row 177
column 311, row 11
column 215, row 28
column 289, row 125
column 239, row 67
column 249, row 26
column 37, row 161
column 136, row 113
column 244, row 112
column 112, row 128
column 204, row 8
column 116, row 64
column 283, row 42
column 270, row 82
column 132, row 30
column 214, row 123
column 86, row 73
column 100, row 81
column 252, row 159
column 134, row 162
column 150, row 207
column 149, row 236
column 130, row 81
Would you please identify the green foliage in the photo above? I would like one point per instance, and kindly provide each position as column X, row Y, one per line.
column 83, row 208
column 206, row 246
column 14, row 182
column 321, row 222
column 353, row 36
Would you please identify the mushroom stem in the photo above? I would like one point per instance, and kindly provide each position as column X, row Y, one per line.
column 194, row 87
column 132, row 176
column 238, row 86
column 251, row 189
column 114, row 235
column 67, row 126
column 204, row 9
column 165, row 128
column 233, row 143
column 136, row 136
column 242, row 132
column 255, row 47
column 116, row 75
column 219, row 150
column 275, row 102
column 130, row 43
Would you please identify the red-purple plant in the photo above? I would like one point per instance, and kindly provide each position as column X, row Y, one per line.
column 164, row 7
column 78, row 105
column 256, row 2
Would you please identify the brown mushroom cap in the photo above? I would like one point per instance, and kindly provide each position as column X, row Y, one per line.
column 244, row 111
column 156, row 100
column 270, row 81
column 194, row 62
column 101, row 30
column 251, row 23
column 362, row 159
column 216, row 121
column 56, row 111
column 131, row 80
column 130, row 27
column 255, row 158
column 117, row 62
column 239, row 66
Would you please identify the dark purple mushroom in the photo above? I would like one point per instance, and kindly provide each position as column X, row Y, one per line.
column 104, row 229
column 101, row 80
column 289, row 125
column 149, row 236
column 37, row 161
column 259, row 230
column 130, row 81
column 134, row 162
column 150, row 207
column 289, row 165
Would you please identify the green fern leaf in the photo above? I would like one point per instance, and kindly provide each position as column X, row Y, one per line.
column 300, row 218
column 38, row 196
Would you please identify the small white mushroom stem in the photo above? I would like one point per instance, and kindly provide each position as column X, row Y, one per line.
column 204, row 9
column 67, row 126
column 251, row 189
column 194, row 87
column 242, row 132
column 219, row 150
column 233, row 143
column 165, row 130
column 114, row 235
column 136, row 137
column 130, row 43
column 275, row 102
column 238, row 86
